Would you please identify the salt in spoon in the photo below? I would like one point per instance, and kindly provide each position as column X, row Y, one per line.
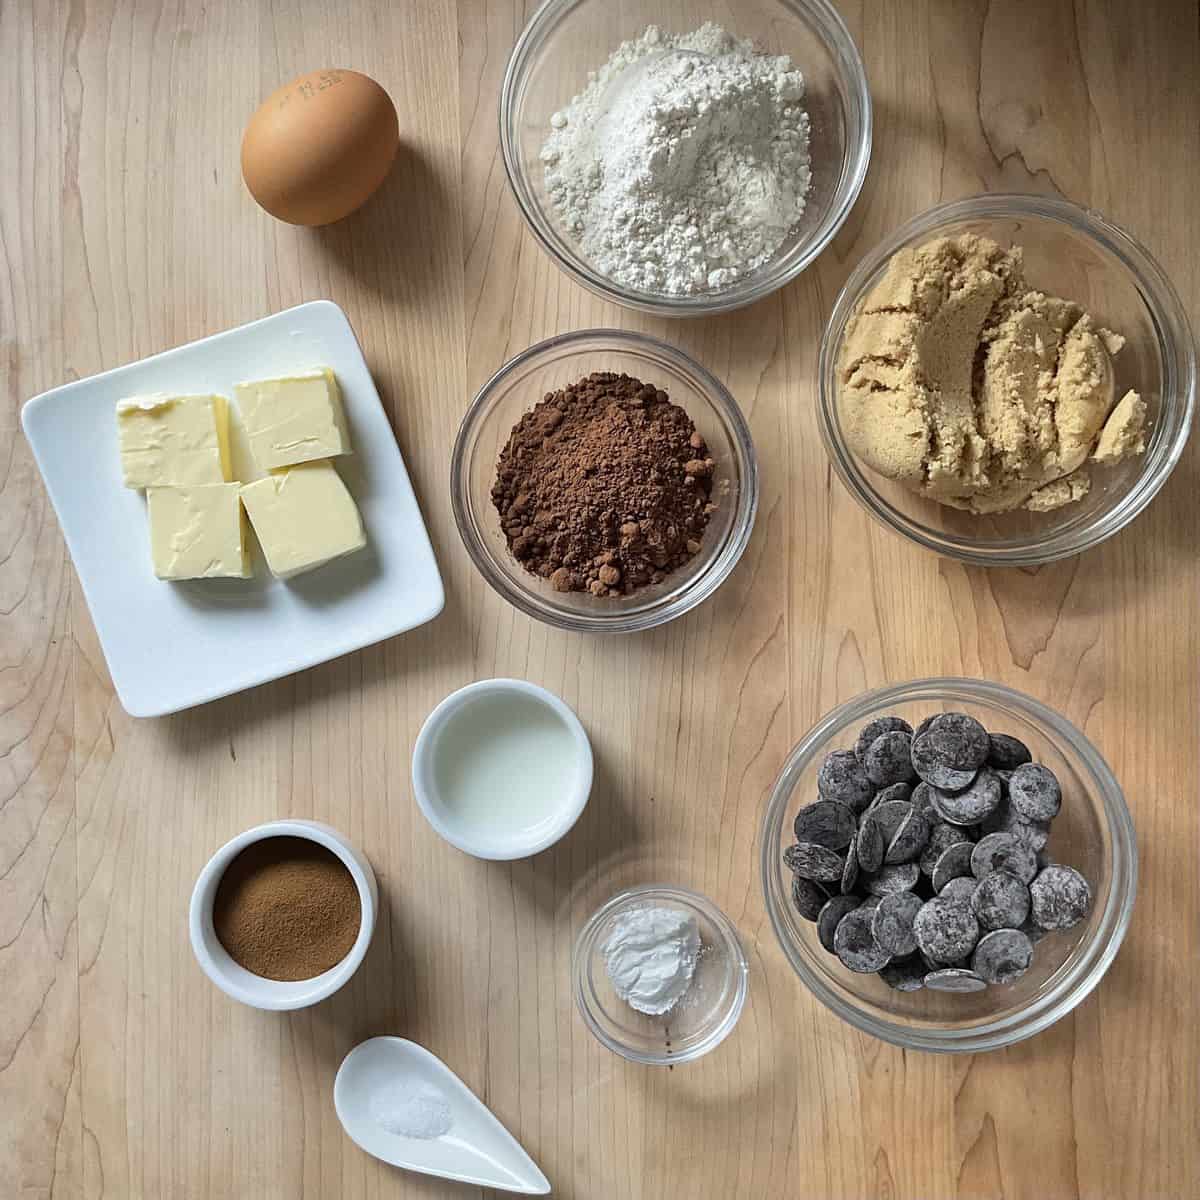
column 475, row 1149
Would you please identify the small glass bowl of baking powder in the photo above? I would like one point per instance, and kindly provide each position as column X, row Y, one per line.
column 547, row 366
column 567, row 39
column 706, row 1013
column 1089, row 260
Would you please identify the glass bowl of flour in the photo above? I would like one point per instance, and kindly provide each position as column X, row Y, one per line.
column 685, row 159
column 659, row 975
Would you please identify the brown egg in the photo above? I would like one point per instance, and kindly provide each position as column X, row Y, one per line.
column 319, row 146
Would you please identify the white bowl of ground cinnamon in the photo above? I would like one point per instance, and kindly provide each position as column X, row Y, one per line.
column 282, row 915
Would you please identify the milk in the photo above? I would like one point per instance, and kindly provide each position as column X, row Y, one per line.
column 503, row 764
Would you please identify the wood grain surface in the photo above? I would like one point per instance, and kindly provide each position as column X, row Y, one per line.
column 125, row 229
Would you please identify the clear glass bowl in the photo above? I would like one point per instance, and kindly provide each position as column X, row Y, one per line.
column 700, row 1021
column 1092, row 833
column 1080, row 256
column 553, row 364
column 566, row 39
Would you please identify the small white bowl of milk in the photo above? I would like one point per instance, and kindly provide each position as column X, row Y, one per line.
column 502, row 768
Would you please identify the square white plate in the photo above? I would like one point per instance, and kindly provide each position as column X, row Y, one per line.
column 172, row 645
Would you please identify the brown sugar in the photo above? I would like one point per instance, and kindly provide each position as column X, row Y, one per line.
column 604, row 486
column 287, row 909
column 968, row 387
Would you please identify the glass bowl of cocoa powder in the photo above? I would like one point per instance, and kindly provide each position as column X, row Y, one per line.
column 618, row 512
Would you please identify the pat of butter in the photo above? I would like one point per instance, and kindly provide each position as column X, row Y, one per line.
column 303, row 517
column 198, row 532
column 293, row 420
column 173, row 440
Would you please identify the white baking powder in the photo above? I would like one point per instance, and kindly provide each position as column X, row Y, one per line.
column 651, row 957
column 683, row 165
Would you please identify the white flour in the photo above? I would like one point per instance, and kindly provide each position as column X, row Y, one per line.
column 684, row 163
column 651, row 957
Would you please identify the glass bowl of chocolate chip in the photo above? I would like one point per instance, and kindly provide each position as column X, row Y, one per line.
column 949, row 865
column 603, row 481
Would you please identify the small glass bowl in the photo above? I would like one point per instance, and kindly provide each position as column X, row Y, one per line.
column 566, row 39
column 1077, row 254
column 1093, row 833
column 553, row 364
column 702, row 1019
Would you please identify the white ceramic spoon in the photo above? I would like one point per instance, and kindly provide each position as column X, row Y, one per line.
column 477, row 1149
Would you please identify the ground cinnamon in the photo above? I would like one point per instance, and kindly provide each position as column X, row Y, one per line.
column 286, row 909
column 604, row 486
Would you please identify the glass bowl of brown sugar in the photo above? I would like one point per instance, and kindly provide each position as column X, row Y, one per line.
column 616, row 512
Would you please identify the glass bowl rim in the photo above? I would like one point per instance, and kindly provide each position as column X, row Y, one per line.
column 702, row 585
column 1176, row 347
column 686, row 897
column 856, row 161
column 1107, row 796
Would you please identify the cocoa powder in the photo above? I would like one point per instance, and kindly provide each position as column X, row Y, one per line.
column 286, row 909
column 604, row 486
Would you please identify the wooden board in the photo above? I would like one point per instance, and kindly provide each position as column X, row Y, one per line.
column 124, row 229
